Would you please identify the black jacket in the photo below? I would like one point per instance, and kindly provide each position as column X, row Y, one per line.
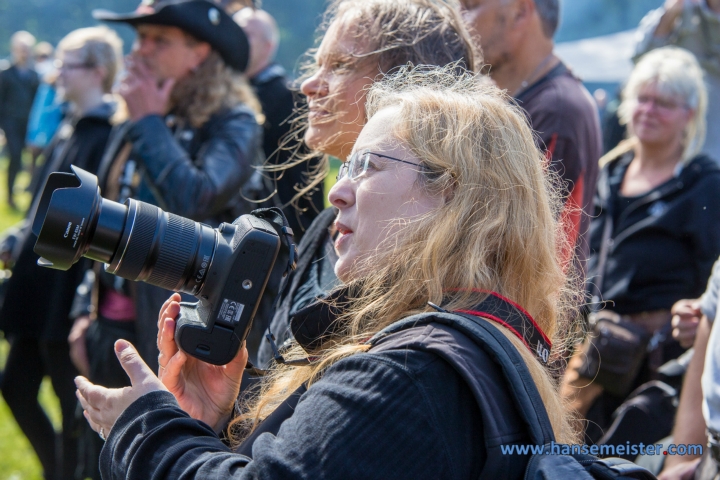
column 80, row 142
column 314, row 277
column 663, row 245
column 398, row 411
column 17, row 92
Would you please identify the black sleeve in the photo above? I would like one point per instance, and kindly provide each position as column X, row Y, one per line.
column 202, row 187
column 368, row 417
column 703, row 221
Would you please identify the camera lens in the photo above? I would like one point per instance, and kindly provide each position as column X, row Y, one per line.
column 163, row 249
column 136, row 240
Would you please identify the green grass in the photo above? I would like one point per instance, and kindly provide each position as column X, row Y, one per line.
column 332, row 175
column 17, row 458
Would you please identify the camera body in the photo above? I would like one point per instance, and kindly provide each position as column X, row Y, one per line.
column 226, row 268
column 213, row 328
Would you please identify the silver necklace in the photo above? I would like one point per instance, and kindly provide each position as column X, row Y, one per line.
column 531, row 78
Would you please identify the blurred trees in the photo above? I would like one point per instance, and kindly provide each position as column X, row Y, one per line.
column 50, row 20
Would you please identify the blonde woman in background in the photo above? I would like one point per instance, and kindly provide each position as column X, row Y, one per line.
column 443, row 191
column 88, row 61
column 653, row 239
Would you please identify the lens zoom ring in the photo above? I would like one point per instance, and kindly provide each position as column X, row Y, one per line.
column 140, row 242
column 175, row 252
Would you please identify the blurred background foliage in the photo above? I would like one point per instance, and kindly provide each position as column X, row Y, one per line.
column 50, row 20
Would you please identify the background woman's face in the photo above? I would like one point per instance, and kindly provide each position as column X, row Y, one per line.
column 659, row 118
column 75, row 77
column 336, row 93
column 376, row 207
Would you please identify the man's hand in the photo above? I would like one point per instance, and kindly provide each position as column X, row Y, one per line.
column 143, row 92
column 78, row 348
column 686, row 316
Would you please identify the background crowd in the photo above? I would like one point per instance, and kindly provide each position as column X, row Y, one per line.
column 200, row 120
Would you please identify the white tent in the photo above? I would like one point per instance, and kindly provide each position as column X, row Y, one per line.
column 600, row 59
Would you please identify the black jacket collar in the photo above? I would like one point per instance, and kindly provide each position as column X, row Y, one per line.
column 317, row 323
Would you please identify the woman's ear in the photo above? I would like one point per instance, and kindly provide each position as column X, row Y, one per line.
column 449, row 194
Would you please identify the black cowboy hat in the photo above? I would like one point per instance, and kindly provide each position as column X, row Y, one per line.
column 202, row 19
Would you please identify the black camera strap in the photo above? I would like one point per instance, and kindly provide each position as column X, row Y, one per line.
column 275, row 215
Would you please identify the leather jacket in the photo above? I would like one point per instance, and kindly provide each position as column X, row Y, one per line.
column 193, row 172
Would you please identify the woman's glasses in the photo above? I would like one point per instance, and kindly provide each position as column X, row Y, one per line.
column 661, row 103
column 60, row 65
column 358, row 162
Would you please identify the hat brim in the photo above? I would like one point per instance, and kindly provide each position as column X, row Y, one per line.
column 131, row 18
column 224, row 35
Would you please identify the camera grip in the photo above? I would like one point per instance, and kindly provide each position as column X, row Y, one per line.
column 217, row 345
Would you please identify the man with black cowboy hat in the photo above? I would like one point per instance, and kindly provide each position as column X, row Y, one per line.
column 188, row 148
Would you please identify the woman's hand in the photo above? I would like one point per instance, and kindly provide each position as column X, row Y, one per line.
column 206, row 392
column 682, row 471
column 686, row 316
column 102, row 406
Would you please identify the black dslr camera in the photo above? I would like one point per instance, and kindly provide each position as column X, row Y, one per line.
column 226, row 268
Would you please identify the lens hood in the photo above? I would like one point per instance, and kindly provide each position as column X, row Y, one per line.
column 72, row 201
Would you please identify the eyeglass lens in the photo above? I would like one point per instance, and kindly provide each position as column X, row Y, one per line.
column 355, row 166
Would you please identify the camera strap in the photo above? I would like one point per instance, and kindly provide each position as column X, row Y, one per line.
column 275, row 215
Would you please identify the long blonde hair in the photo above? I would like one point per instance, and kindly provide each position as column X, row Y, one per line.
column 394, row 33
column 674, row 71
column 497, row 230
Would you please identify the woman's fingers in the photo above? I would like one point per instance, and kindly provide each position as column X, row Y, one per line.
column 171, row 375
column 130, row 360
column 174, row 298
column 93, row 425
column 169, row 310
column 93, row 396
column 102, row 406
column 95, row 401
column 166, row 345
column 85, row 404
